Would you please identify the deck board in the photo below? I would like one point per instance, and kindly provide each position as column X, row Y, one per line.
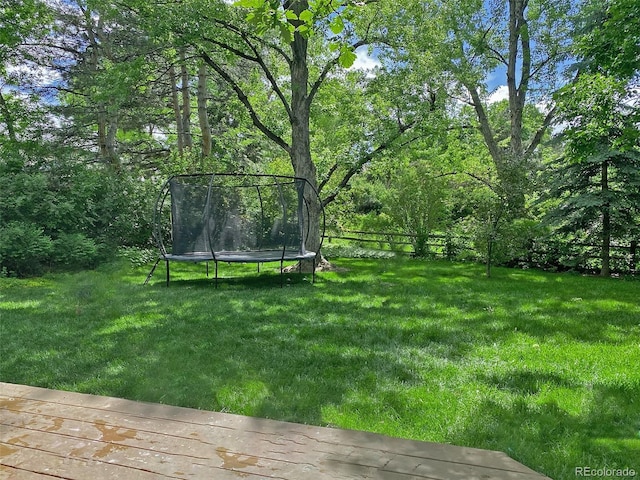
column 47, row 434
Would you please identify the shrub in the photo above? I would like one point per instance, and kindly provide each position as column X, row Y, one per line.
column 24, row 248
column 74, row 249
column 138, row 256
column 515, row 242
column 85, row 209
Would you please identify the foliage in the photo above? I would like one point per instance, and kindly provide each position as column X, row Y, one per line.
column 138, row 256
column 20, row 19
column 514, row 244
column 92, row 84
column 24, row 248
column 334, row 251
column 416, row 203
column 470, row 43
column 581, row 198
column 596, row 184
column 74, row 250
column 608, row 38
column 331, row 18
column 68, row 214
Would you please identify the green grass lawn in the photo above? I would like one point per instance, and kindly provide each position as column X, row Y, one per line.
column 545, row 367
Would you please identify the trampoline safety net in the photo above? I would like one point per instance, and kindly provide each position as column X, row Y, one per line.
column 236, row 218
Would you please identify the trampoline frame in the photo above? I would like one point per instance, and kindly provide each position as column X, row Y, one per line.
column 305, row 192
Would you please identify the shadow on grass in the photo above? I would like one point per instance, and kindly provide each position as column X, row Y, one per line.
column 523, row 382
column 540, row 433
column 432, row 351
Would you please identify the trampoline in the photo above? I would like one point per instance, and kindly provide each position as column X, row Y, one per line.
column 237, row 218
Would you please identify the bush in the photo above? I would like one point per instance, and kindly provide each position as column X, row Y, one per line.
column 24, row 248
column 74, row 249
column 416, row 203
column 515, row 242
column 138, row 256
column 85, row 209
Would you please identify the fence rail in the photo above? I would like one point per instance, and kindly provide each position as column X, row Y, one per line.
column 387, row 238
column 446, row 246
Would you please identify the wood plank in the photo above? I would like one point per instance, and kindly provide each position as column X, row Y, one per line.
column 59, row 436
column 183, row 418
column 71, row 434
column 10, row 473
column 139, row 450
column 137, row 430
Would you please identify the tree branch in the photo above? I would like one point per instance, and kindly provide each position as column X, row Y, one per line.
column 229, row 48
column 255, row 58
column 327, row 177
column 537, row 138
column 325, row 71
column 498, row 56
column 484, row 182
column 485, row 126
column 246, row 102
column 274, row 84
column 247, row 35
column 363, row 161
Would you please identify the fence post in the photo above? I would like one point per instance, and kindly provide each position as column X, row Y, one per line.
column 633, row 249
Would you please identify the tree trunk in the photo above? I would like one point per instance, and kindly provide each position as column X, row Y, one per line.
column 102, row 131
column 511, row 162
column 186, row 101
column 489, row 256
column 518, row 37
column 8, row 119
column 106, row 116
column 301, row 161
column 111, row 148
column 606, row 222
column 107, row 142
column 203, row 118
column 176, row 109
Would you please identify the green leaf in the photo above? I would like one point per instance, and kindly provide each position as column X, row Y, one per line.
column 247, row 3
column 306, row 16
column 347, row 57
column 304, row 30
column 286, row 32
column 337, row 25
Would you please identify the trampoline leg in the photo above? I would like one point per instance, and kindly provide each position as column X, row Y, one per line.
column 313, row 272
column 167, row 261
column 216, row 274
column 207, row 264
column 281, row 274
column 153, row 269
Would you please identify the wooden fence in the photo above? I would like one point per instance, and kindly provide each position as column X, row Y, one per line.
column 623, row 256
column 438, row 244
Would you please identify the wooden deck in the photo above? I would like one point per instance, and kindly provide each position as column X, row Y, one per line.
column 47, row 434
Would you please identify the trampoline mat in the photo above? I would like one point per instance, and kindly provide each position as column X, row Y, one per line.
column 262, row 256
column 242, row 256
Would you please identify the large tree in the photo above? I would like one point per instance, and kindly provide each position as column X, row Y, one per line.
column 23, row 22
column 294, row 47
column 518, row 45
column 597, row 181
column 598, row 178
